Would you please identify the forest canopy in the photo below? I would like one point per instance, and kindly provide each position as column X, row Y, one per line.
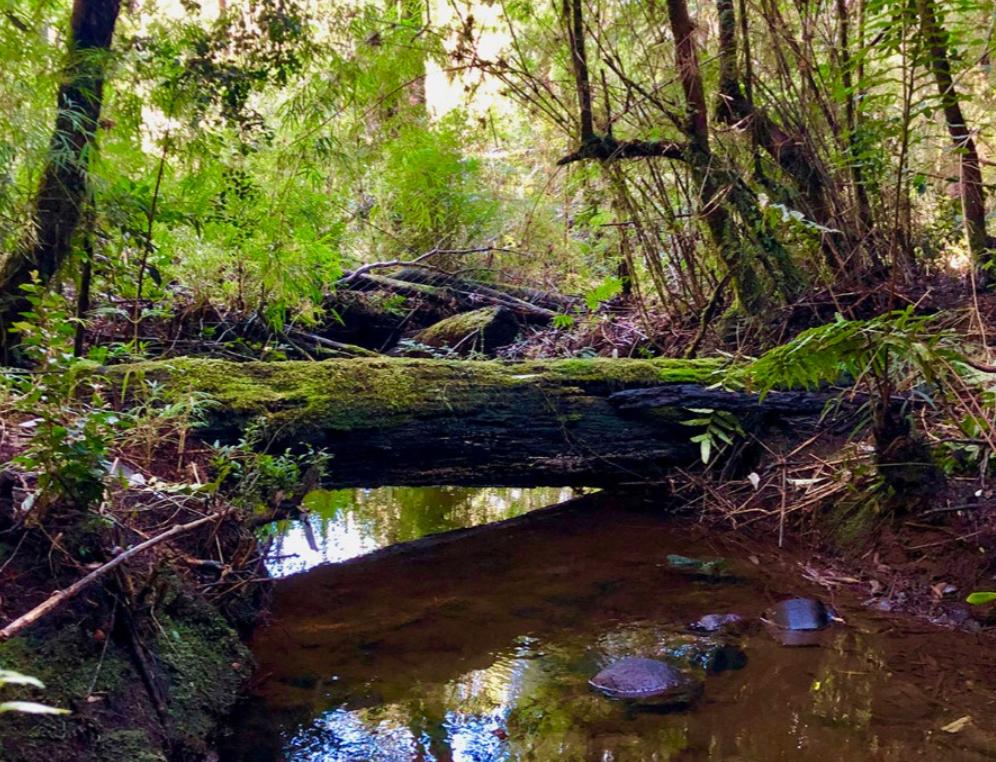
column 246, row 155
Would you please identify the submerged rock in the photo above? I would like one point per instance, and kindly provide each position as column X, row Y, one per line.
column 684, row 650
column 718, row 623
column 714, row 568
column 707, row 654
column 647, row 681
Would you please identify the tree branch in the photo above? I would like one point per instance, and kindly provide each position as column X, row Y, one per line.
column 605, row 148
column 61, row 597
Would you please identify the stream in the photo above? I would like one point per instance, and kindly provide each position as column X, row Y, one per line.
column 390, row 641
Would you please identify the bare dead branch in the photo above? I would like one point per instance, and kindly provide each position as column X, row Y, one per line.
column 61, row 597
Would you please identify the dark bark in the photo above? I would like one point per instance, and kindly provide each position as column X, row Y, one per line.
column 788, row 151
column 972, row 190
column 782, row 405
column 574, row 19
column 62, row 193
column 403, row 421
column 687, row 61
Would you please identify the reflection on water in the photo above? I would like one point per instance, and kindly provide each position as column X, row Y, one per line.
column 480, row 648
column 347, row 523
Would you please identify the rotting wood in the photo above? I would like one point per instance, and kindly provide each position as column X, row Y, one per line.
column 404, row 421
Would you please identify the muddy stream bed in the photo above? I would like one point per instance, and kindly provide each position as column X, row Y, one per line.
column 478, row 643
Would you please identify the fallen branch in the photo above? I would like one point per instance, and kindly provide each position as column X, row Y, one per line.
column 459, row 291
column 606, row 148
column 419, row 261
column 347, row 350
column 60, row 597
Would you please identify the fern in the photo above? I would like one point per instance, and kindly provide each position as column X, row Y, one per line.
column 888, row 352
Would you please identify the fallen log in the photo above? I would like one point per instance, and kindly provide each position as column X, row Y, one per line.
column 465, row 295
column 484, row 330
column 403, row 421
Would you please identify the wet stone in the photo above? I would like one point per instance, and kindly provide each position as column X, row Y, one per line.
column 718, row 623
column 799, row 622
column 800, row 614
column 647, row 681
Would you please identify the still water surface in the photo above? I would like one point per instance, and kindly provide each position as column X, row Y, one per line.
column 478, row 645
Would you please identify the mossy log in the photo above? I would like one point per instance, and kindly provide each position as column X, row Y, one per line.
column 403, row 421
column 465, row 295
column 484, row 330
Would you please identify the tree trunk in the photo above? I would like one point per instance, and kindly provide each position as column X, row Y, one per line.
column 724, row 192
column 861, row 201
column 62, row 193
column 574, row 21
column 787, row 150
column 972, row 191
column 401, row 421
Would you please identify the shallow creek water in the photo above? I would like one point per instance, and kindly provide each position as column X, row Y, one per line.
column 478, row 644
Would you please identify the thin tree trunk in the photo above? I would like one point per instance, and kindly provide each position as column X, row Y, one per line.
column 574, row 19
column 972, row 191
column 86, row 278
column 863, row 207
column 62, row 193
column 787, row 150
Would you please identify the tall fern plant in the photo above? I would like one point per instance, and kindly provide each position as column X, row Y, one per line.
column 898, row 359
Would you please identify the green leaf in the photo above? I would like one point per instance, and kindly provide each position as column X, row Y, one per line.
column 9, row 677
column 705, row 447
column 978, row 599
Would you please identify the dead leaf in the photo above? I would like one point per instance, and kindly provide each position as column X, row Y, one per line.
column 958, row 725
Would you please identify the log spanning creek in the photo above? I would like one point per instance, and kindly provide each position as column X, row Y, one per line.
column 465, row 624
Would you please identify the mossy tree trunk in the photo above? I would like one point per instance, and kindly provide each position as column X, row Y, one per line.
column 62, row 192
column 981, row 247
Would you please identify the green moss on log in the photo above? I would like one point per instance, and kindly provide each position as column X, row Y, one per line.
column 302, row 397
column 483, row 330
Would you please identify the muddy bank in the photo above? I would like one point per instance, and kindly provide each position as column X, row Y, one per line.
column 195, row 658
column 150, row 658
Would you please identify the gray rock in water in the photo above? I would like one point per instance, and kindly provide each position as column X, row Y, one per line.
column 647, row 681
column 717, row 623
column 799, row 621
column 800, row 614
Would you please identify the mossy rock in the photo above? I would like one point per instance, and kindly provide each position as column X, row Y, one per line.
column 485, row 330
column 201, row 663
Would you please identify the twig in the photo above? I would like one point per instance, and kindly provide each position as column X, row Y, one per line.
column 61, row 597
column 419, row 261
